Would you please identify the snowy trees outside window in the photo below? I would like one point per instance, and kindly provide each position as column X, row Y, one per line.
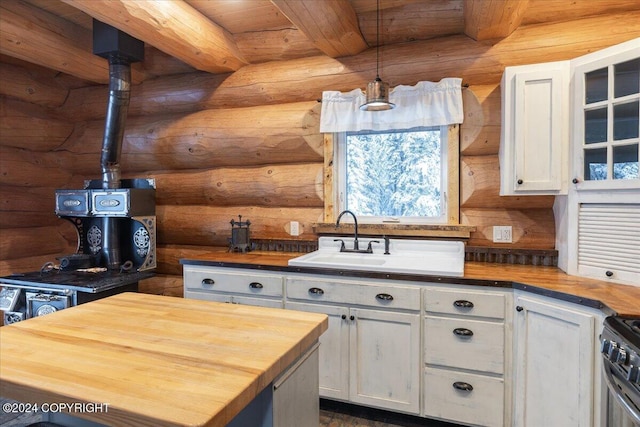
column 396, row 174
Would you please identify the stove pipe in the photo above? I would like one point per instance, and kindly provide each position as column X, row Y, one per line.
column 120, row 50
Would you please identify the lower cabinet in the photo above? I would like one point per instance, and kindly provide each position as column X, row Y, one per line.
column 370, row 354
column 557, row 365
column 466, row 355
column 235, row 286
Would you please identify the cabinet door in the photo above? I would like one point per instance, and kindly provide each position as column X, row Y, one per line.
column 535, row 138
column 385, row 362
column 555, row 364
column 334, row 349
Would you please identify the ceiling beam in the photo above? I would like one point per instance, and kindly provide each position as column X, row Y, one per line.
column 175, row 28
column 332, row 26
column 492, row 19
column 38, row 37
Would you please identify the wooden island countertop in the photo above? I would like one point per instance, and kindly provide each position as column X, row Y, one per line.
column 551, row 281
column 153, row 360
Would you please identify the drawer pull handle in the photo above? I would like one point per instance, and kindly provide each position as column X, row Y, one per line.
column 461, row 303
column 208, row 282
column 463, row 332
column 459, row 385
column 384, row 297
column 316, row 291
column 256, row 285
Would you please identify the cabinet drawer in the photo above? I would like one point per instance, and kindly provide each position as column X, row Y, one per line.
column 482, row 405
column 463, row 302
column 397, row 297
column 463, row 343
column 238, row 282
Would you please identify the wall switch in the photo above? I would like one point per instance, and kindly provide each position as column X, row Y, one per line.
column 294, row 228
column 502, row 234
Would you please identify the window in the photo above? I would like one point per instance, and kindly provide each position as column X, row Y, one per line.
column 397, row 176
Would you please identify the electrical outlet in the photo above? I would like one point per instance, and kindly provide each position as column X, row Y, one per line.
column 294, row 228
column 502, row 234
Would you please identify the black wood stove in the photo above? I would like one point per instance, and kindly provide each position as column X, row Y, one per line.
column 114, row 218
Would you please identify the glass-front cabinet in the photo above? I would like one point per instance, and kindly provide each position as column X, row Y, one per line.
column 607, row 121
column 602, row 210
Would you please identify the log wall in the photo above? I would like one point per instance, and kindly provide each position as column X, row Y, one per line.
column 248, row 144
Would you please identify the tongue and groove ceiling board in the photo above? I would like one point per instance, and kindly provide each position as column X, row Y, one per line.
column 223, row 36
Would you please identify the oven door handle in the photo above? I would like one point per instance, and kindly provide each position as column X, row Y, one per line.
column 613, row 390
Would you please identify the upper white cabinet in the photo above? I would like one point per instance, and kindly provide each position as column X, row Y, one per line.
column 606, row 118
column 602, row 210
column 535, row 129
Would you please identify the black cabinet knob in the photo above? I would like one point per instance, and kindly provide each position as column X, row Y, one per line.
column 352, row 317
column 520, row 182
column 463, row 332
column 575, row 180
column 519, row 308
column 459, row 385
column 461, row 303
column 609, row 273
column 344, row 317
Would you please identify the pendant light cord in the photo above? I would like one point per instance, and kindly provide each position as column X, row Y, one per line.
column 377, row 39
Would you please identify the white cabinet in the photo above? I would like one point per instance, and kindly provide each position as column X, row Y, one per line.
column 466, row 355
column 370, row 354
column 557, row 366
column 236, row 286
column 535, row 129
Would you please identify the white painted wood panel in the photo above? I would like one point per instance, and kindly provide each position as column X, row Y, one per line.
column 483, row 405
column 484, row 303
column 482, row 351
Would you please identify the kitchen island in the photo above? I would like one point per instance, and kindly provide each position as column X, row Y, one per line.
column 150, row 360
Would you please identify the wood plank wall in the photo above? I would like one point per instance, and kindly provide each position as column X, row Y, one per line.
column 248, row 143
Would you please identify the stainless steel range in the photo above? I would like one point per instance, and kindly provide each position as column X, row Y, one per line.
column 114, row 218
column 620, row 341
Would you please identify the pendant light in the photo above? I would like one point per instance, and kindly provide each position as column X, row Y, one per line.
column 377, row 90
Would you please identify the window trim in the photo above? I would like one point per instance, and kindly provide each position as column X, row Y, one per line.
column 452, row 204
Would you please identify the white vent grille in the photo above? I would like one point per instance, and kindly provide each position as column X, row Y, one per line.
column 609, row 241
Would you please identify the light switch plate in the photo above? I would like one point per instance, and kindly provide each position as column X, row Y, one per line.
column 294, row 228
column 502, row 234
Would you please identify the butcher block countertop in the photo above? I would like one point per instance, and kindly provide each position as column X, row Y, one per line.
column 154, row 360
column 550, row 281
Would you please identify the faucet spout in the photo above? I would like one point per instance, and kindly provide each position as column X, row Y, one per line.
column 355, row 221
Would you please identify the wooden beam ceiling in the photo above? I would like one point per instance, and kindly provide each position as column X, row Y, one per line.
column 175, row 28
column 492, row 19
column 331, row 26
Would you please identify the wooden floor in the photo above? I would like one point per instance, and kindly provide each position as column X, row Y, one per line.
column 332, row 414
column 336, row 414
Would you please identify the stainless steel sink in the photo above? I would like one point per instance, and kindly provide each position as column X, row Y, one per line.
column 429, row 257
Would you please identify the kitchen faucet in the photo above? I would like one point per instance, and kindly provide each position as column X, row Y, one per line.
column 356, row 248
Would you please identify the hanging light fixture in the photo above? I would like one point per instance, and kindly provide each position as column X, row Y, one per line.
column 377, row 90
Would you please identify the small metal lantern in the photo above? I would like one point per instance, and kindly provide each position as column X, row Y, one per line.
column 240, row 240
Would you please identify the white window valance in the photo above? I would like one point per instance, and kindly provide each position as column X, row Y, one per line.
column 425, row 104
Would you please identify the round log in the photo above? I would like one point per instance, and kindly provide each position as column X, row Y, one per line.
column 210, row 226
column 295, row 185
column 20, row 242
column 271, row 134
column 480, row 131
column 31, row 84
column 480, row 187
column 25, row 125
column 532, row 228
column 27, row 169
